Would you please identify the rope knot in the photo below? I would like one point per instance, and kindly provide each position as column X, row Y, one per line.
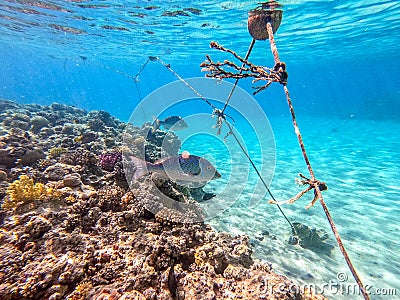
column 219, row 113
column 313, row 184
column 280, row 71
column 220, row 118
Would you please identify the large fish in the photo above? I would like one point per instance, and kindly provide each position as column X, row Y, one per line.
column 185, row 169
column 173, row 121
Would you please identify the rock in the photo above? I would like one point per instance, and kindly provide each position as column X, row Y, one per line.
column 96, row 124
column 18, row 149
column 19, row 124
column 55, row 172
column 46, row 132
column 7, row 104
column 31, row 156
column 68, row 129
column 37, row 227
column 3, row 175
column 21, row 117
column 309, row 238
column 6, row 159
column 103, row 116
column 72, row 180
column 198, row 285
column 38, row 122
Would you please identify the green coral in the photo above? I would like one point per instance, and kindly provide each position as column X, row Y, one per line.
column 24, row 190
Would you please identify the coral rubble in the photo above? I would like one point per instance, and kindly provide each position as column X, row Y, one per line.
column 93, row 237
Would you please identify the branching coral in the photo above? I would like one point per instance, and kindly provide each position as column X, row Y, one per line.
column 108, row 160
column 24, row 190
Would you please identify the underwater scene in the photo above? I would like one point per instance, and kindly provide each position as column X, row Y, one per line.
column 199, row 149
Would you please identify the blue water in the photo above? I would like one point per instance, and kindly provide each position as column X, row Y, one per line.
column 342, row 58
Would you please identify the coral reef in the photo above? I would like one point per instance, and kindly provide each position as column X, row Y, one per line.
column 19, row 149
column 98, row 239
column 25, row 190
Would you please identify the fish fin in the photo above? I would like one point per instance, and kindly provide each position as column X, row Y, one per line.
column 161, row 160
column 141, row 167
column 208, row 196
column 156, row 123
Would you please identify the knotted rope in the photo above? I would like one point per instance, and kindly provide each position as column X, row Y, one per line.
column 262, row 23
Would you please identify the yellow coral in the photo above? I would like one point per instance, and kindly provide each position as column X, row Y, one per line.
column 54, row 152
column 70, row 199
column 25, row 190
column 199, row 257
column 78, row 139
column 80, row 291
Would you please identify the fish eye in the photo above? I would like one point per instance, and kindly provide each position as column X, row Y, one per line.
column 209, row 167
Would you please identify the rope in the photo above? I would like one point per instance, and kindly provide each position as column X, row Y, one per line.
column 168, row 66
column 241, row 70
column 280, row 72
column 314, row 183
column 259, row 175
column 222, row 117
column 135, row 79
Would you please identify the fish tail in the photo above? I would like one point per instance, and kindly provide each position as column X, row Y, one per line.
column 172, row 282
column 142, row 167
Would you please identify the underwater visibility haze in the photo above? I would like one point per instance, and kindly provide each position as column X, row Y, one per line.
column 84, row 85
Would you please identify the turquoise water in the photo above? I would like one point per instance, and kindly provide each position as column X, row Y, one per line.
column 342, row 58
column 358, row 160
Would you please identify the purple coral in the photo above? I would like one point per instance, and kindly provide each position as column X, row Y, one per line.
column 108, row 160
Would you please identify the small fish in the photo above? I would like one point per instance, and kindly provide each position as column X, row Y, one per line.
column 85, row 138
column 184, row 169
column 173, row 121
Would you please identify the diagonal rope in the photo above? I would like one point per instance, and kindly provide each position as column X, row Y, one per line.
column 168, row 66
column 136, row 78
column 222, row 117
column 231, row 132
column 241, row 70
column 316, row 187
